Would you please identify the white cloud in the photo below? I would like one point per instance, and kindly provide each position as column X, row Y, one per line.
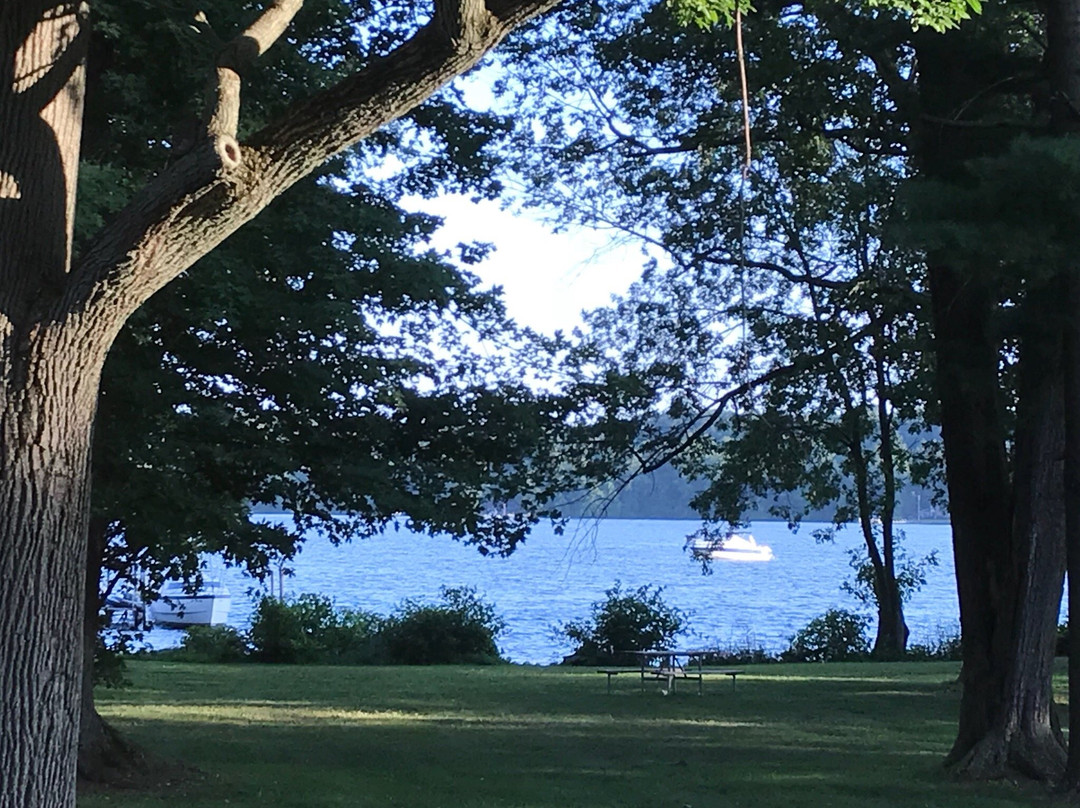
column 548, row 278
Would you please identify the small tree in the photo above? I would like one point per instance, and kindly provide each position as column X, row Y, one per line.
column 639, row 620
column 460, row 629
column 836, row 636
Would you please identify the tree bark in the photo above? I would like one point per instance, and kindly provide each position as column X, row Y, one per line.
column 49, row 369
column 979, row 493
column 1024, row 736
column 892, row 634
column 1007, row 519
column 1063, row 62
column 44, row 494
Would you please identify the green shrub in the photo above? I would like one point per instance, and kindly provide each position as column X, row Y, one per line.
column 945, row 647
column 310, row 629
column 836, row 636
column 624, row 621
column 213, row 644
column 460, row 629
column 356, row 639
column 277, row 634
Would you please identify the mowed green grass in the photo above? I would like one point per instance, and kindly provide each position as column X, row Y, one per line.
column 787, row 735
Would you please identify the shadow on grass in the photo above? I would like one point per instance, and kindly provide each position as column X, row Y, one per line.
column 509, row 736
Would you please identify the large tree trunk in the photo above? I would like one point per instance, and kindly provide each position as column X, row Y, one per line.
column 1024, row 736
column 979, row 492
column 44, row 495
column 1007, row 535
column 1006, row 527
column 1063, row 62
column 49, row 370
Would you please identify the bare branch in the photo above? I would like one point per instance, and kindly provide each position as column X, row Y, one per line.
column 802, row 278
column 690, row 433
column 232, row 61
column 708, row 418
column 464, row 20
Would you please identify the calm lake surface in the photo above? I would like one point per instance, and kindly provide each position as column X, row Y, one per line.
column 553, row 579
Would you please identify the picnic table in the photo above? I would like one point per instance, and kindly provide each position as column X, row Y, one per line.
column 669, row 667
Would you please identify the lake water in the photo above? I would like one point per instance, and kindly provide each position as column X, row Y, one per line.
column 552, row 579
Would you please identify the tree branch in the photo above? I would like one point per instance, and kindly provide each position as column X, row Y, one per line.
column 464, row 20
column 195, row 204
column 696, row 428
column 232, row 62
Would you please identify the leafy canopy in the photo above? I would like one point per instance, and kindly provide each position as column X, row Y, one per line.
column 940, row 15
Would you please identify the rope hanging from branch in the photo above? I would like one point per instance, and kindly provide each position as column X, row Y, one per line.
column 745, row 91
column 744, row 363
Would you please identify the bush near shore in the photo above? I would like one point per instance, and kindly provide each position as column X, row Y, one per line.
column 463, row 628
column 640, row 620
column 458, row 629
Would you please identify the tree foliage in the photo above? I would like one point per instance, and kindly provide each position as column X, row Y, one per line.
column 940, row 15
column 625, row 621
column 951, row 107
column 324, row 359
column 775, row 347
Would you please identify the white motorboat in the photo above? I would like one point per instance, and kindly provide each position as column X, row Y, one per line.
column 731, row 547
column 124, row 608
column 178, row 607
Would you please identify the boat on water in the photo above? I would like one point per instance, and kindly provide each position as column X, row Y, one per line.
column 729, row 547
column 124, row 609
column 178, row 607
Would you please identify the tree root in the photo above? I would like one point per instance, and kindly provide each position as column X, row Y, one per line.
column 1014, row 756
column 107, row 759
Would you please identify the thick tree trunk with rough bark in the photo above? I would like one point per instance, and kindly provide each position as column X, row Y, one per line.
column 1063, row 61
column 58, row 318
column 979, row 491
column 1007, row 535
column 1024, row 736
column 44, row 494
column 50, row 359
column 1007, row 518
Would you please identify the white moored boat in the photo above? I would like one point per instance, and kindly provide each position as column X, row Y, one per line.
column 731, row 547
column 177, row 607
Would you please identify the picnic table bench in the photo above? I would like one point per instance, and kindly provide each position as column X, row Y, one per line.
column 669, row 670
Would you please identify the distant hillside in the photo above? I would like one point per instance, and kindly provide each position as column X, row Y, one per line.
column 665, row 495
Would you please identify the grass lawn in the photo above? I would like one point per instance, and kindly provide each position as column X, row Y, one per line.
column 788, row 735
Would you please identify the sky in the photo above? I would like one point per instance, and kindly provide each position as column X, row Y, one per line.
column 548, row 278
